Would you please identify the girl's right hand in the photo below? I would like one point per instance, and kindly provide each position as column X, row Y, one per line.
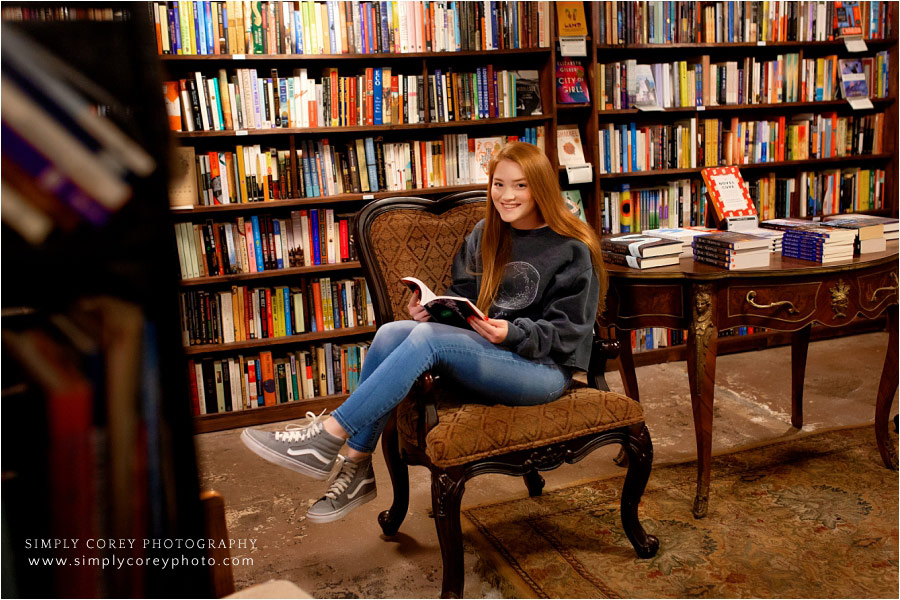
column 416, row 310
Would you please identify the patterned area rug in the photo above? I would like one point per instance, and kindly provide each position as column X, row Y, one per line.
column 811, row 517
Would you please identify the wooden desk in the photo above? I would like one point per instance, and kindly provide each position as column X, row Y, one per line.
column 789, row 296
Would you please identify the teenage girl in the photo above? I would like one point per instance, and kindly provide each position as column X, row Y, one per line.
column 532, row 267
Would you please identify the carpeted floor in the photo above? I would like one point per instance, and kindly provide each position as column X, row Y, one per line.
column 812, row 517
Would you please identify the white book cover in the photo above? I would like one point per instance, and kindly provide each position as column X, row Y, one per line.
column 568, row 146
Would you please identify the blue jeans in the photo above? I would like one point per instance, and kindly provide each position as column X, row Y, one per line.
column 403, row 350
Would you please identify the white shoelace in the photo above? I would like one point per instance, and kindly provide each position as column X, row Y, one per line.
column 297, row 433
column 342, row 479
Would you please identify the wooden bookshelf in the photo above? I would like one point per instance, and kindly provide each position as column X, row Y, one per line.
column 91, row 350
column 600, row 53
column 415, row 63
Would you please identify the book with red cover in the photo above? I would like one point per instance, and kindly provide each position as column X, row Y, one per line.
column 728, row 194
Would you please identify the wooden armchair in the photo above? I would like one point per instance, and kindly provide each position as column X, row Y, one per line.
column 397, row 237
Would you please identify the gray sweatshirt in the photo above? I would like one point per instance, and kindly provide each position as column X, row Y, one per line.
column 548, row 294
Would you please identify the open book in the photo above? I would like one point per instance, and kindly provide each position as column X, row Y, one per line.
column 450, row 310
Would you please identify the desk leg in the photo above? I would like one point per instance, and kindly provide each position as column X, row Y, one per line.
column 701, row 362
column 885, row 399
column 626, row 364
column 799, row 348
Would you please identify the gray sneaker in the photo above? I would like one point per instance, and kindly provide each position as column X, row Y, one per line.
column 307, row 449
column 354, row 486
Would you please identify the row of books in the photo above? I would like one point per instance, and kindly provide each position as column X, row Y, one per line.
column 690, row 143
column 702, row 83
column 75, row 12
column 485, row 94
column 338, row 27
column 317, row 168
column 248, row 382
column 653, row 338
column 262, row 243
column 64, row 166
column 247, row 101
column 658, row 22
column 243, row 313
column 682, row 203
column 677, row 203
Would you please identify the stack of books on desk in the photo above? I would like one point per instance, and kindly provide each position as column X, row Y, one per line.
column 733, row 250
column 869, row 235
column 773, row 235
column 640, row 251
column 818, row 243
column 785, row 224
column 685, row 235
column 872, row 232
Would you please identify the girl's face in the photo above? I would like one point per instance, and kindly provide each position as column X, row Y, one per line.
column 512, row 197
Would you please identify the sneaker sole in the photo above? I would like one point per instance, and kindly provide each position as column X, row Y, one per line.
column 273, row 457
column 341, row 512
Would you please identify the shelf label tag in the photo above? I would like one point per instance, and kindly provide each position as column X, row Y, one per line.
column 701, row 107
column 240, row 132
column 761, row 43
column 573, row 45
column 860, row 103
column 238, row 56
column 649, row 107
column 855, row 43
column 580, row 173
column 368, row 196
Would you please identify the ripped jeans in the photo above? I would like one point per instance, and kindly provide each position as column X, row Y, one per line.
column 403, row 350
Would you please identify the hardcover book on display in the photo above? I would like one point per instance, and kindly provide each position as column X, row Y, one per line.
column 528, row 93
column 729, row 198
column 570, row 19
column 568, row 146
column 644, row 91
column 450, row 310
column 572, row 198
column 571, row 87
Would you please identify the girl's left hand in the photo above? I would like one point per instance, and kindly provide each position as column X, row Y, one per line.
column 493, row 330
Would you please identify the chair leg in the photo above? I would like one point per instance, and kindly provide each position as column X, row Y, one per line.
column 534, row 482
column 640, row 458
column 391, row 519
column 447, row 488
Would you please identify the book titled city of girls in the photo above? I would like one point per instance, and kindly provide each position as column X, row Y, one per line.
column 570, row 83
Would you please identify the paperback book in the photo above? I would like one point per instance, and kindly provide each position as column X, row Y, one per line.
column 450, row 310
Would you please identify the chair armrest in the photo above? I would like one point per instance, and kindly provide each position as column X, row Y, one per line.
column 601, row 350
column 423, row 398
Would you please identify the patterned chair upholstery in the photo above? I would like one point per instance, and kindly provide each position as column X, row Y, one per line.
column 436, row 428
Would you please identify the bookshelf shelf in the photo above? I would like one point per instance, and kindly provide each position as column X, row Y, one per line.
column 346, row 332
column 788, row 164
column 266, row 414
column 320, row 131
column 350, row 57
column 338, row 198
column 720, row 108
column 826, row 45
column 331, row 268
column 574, row 106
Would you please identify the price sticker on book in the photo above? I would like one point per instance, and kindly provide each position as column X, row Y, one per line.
column 573, row 45
column 855, row 43
column 580, row 173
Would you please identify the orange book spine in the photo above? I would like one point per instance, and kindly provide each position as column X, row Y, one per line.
column 317, row 305
column 267, row 369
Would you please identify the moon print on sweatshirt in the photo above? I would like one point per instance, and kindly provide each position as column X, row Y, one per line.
column 518, row 288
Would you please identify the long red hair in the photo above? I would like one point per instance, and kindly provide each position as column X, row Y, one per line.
column 543, row 183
